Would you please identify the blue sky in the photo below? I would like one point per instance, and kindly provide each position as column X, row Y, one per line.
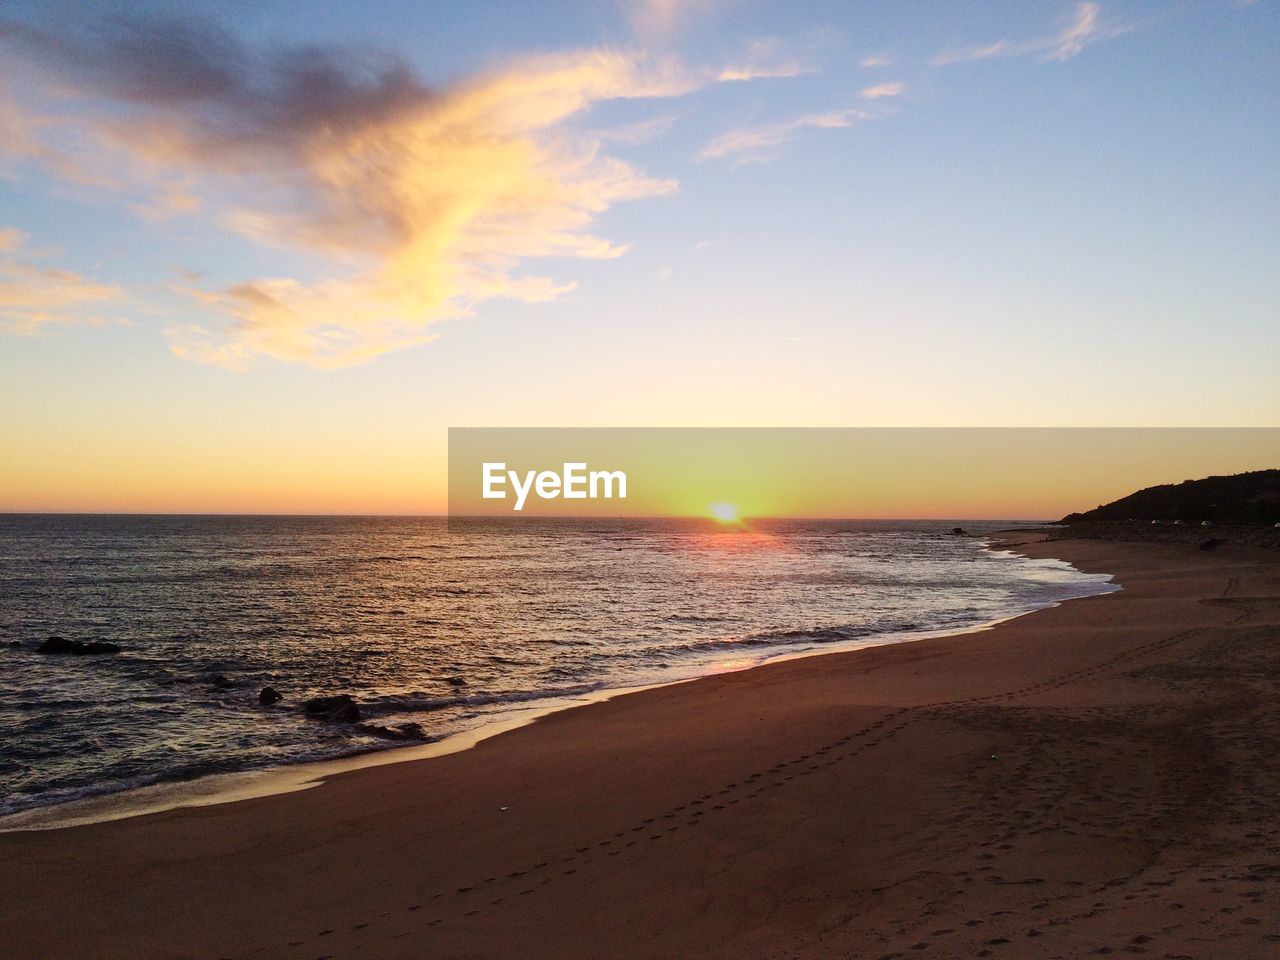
column 709, row 213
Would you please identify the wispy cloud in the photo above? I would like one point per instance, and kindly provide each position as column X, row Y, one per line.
column 28, row 136
column 761, row 144
column 410, row 204
column 641, row 131
column 34, row 296
column 1086, row 27
column 881, row 90
column 878, row 60
column 765, row 58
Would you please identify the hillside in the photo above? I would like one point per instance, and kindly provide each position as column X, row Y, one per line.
column 1245, row 498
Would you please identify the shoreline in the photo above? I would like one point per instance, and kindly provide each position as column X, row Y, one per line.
column 1095, row 778
column 235, row 786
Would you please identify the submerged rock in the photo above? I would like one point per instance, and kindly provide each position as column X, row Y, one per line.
column 958, row 532
column 336, row 709
column 455, row 681
column 77, row 647
column 15, row 643
column 99, row 646
column 268, row 695
column 401, row 731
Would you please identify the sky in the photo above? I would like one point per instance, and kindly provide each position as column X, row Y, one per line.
column 259, row 257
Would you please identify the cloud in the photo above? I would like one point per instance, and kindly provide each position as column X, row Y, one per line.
column 764, row 143
column 764, row 59
column 881, row 90
column 738, row 72
column 1085, row 28
column 871, row 62
column 642, row 131
column 407, row 204
column 25, row 136
column 33, row 297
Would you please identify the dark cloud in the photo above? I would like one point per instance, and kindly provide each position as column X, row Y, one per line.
column 235, row 91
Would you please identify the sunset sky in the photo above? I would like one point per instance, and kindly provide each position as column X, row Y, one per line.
column 259, row 257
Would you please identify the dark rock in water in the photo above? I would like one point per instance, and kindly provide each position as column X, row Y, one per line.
column 221, row 682
column 455, row 681
column 337, row 709
column 15, row 643
column 268, row 695
column 99, row 646
column 76, row 647
column 401, row 731
column 1211, row 544
column 958, row 532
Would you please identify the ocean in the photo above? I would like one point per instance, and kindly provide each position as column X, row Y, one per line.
column 419, row 623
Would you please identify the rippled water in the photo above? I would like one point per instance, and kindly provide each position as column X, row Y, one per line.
column 210, row 609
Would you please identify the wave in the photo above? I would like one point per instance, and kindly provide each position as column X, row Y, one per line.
column 333, row 749
column 425, row 703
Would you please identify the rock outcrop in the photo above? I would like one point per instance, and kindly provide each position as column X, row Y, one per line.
column 78, row 648
column 401, row 731
column 269, row 695
column 340, row 708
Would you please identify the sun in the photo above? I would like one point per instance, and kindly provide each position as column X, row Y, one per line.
column 724, row 512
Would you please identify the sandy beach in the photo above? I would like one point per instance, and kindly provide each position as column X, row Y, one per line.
column 1096, row 778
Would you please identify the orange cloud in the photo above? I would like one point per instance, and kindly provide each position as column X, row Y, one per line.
column 447, row 200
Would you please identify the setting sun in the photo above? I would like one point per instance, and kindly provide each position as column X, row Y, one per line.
column 724, row 512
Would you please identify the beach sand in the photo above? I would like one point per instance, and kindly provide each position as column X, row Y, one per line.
column 1101, row 777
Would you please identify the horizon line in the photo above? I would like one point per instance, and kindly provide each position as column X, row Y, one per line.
column 512, row 516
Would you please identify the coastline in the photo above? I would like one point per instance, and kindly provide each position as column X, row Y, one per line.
column 255, row 783
column 953, row 794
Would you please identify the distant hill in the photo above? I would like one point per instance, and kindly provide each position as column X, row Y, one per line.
column 1245, row 498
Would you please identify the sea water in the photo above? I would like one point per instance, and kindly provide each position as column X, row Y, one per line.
column 421, row 623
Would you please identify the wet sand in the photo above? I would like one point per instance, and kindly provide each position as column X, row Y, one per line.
column 1102, row 777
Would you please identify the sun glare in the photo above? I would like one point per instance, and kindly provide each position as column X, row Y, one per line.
column 725, row 512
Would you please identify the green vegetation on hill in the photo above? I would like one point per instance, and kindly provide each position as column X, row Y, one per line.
column 1245, row 498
